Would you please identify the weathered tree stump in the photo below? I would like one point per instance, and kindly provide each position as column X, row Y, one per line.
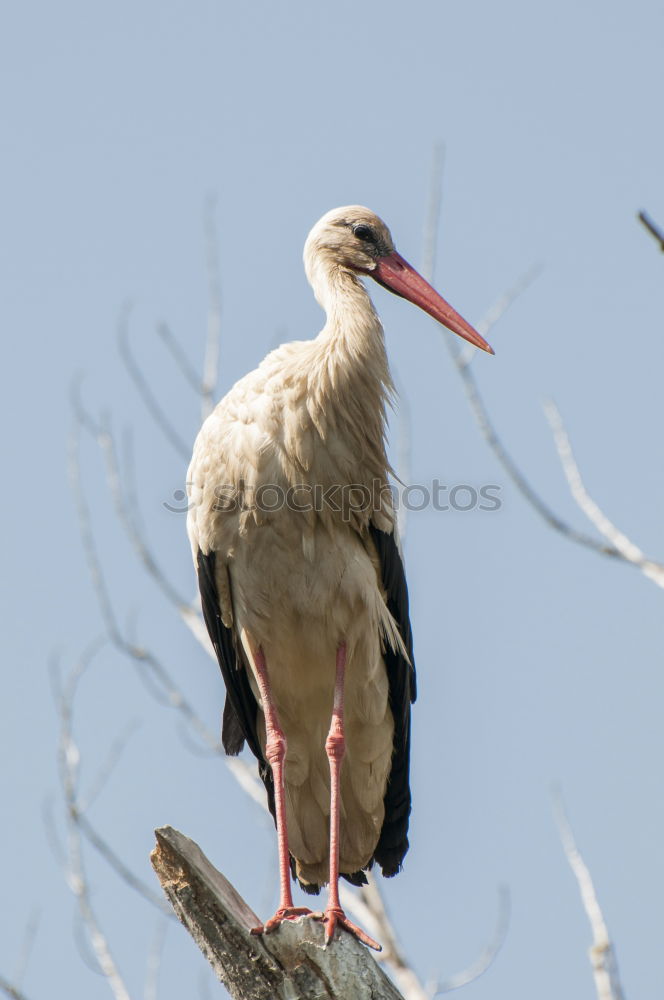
column 292, row 963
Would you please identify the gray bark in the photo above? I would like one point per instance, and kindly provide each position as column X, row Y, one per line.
column 292, row 963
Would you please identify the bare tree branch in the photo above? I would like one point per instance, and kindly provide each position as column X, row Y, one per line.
column 115, row 752
column 128, row 510
column 393, row 955
column 144, row 390
column 115, row 862
column 479, row 408
column 488, row 955
column 522, row 484
column 151, row 989
column 496, row 312
column 50, row 829
column 126, row 506
column 433, row 213
column 368, row 906
column 211, row 362
column 68, row 760
column 173, row 345
column 10, row 990
column 88, row 539
column 652, row 228
column 190, row 613
column 602, row 954
column 622, row 545
column 76, row 807
column 29, row 937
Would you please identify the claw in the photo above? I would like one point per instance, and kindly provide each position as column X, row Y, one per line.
column 335, row 917
column 282, row 914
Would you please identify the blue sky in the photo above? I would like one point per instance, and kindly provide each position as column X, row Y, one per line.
column 538, row 661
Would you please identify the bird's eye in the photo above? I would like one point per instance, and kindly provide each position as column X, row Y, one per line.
column 364, row 233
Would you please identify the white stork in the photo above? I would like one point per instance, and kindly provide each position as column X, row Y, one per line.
column 302, row 584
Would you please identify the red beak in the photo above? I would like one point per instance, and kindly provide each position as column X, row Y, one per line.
column 396, row 274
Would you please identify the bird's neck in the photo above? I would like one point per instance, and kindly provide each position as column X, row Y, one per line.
column 350, row 382
column 351, row 344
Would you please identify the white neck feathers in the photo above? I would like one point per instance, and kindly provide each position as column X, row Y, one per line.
column 349, row 382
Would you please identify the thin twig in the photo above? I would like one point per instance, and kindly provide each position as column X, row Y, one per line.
column 105, row 850
column 143, row 387
column 81, row 414
column 211, row 362
column 368, row 906
column 486, row 959
column 490, row 434
column 88, row 539
column 83, row 946
column 104, row 773
column 77, row 808
column 248, row 780
column 69, row 759
column 601, row 952
column 151, row 988
column 189, row 612
column 126, row 506
column 622, row 545
column 498, row 309
column 377, row 919
column 432, row 217
column 181, row 360
column 10, row 990
column 29, row 937
column 652, row 228
column 50, row 829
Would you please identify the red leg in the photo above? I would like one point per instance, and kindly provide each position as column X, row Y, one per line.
column 275, row 752
column 335, row 745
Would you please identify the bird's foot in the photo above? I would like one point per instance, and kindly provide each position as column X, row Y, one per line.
column 334, row 917
column 282, row 914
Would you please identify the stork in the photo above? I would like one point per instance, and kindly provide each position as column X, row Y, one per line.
column 293, row 534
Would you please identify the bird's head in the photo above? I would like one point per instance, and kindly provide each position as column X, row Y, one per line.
column 355, row 239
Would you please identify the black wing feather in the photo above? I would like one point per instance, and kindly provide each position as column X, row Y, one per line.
column 240, row 709
column 393, row 841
